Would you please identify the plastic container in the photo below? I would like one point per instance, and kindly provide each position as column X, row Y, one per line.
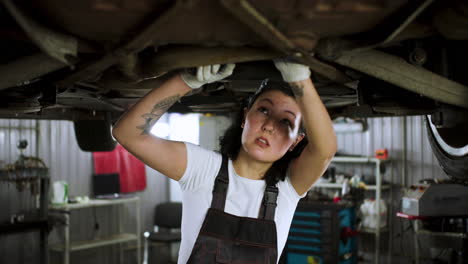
column 369, row 214
column 59, row 192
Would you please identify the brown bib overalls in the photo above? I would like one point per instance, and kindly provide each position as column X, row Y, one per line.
column 226, row 238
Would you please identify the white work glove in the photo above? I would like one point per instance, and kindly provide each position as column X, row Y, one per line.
column 207, row 74
column 291, row 71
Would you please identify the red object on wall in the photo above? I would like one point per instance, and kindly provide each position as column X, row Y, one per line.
column 381, row 154
column 130, row 169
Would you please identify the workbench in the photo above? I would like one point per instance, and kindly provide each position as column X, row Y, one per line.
column 121, row 237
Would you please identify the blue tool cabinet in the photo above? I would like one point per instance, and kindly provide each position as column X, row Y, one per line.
column 321, row 233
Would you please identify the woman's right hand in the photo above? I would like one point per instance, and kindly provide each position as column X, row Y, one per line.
column 207, row 74
column 133, row 129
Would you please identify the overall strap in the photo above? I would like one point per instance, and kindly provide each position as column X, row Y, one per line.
column 221, row 185
column 268, row 206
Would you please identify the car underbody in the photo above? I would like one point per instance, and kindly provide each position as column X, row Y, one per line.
column 88, row 61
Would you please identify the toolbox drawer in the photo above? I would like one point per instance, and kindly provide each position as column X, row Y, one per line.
column 315, row 234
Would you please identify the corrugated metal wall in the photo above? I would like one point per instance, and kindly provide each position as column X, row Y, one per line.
column 54, row 142
column 59, row 150
column 411, row 160
column 11, row 131
column 390, row 133
column 14, row 247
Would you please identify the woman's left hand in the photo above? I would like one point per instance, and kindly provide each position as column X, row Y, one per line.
column 316, row 156
column 292, row 71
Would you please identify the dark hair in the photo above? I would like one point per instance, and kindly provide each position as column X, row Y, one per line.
column 231, row 142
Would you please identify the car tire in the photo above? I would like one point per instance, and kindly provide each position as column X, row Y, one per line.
column 94, row 135
column 450, row 146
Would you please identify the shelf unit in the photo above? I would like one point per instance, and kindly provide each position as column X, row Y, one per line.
column 339, row 186
column 37, row 218
column 105, row 241
column 69, row 246
column 377, row 188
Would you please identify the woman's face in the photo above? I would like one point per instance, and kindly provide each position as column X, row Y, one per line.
column 271, row 126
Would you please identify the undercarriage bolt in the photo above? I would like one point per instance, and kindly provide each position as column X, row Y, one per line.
column 298, row 54
column 418, row 56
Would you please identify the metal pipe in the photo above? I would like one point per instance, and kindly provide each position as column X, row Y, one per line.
column 26, row 69
column 138, row 229
column 186, row 57
column 59, row 46
column 67, row 246
column 142, row 40
column 407, row 29
column 397, row 71
column 130, row 67
column 407, row 21
column 37, row 144
column 404, row 154
column 248, row 15
column 378, row 195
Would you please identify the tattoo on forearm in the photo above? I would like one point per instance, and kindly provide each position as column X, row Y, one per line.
column 156, row 112
column 298, row 89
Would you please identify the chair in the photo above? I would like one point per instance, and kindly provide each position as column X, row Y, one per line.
column 167, row 217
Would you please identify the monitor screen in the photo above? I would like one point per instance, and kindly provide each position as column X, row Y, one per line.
column 106, row 184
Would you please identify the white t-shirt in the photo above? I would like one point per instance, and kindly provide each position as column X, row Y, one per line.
column 243, row 198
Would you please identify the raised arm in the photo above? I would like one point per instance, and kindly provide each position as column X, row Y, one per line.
column 132, row 131
column 316, row 156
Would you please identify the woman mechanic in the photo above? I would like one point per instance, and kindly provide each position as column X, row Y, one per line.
column 238, row 204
